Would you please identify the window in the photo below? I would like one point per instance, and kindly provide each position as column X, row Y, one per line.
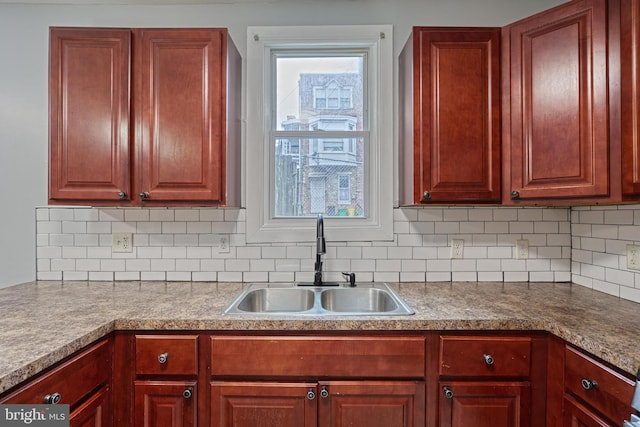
column 344, row 189
column 319, row 132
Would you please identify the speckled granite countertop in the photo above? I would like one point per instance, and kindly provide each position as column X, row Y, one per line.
column 43, row 322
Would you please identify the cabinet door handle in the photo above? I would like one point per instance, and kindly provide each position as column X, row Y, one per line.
column 52, row 399
column 187, row 393
column 324, row 393
column 448, row 393
column 311, row 394
column 144, row 195
column 163, row 358
column 122, row 195
column 426, row 195
column 515, row 194
column 589, row 384
column 488, row 359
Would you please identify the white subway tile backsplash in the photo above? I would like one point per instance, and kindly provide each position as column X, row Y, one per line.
column 182, row 244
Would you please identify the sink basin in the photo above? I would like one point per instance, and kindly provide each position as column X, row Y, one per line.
column 376, row 299
column 277, row 300
column 364, row 300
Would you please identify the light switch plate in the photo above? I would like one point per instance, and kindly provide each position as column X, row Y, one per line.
column 122, row 242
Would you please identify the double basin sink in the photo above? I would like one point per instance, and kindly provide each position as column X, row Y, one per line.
column 373, row 299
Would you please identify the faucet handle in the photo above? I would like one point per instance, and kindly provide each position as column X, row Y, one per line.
column 351, row 277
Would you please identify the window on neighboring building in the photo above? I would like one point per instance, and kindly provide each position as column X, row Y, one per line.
column 344, row 189
column 319, row 132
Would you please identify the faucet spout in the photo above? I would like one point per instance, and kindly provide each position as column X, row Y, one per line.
column 321, row 249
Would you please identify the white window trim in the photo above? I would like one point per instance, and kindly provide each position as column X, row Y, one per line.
column 378, row 224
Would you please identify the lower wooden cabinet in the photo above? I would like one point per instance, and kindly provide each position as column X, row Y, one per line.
column 485, row 404
column 94, row 412
column 248, row 404
column 604, row 394
column 577, row 415
column 322, row 404
column 83, row 382
column 165, row 403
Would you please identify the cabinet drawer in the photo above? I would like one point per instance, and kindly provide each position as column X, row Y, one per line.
column 73, row 380
column 166, row 354
column 485, row 356
column 319, row 356
column 612, row 394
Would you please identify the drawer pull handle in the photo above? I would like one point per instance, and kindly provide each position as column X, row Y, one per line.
column 163, row 358
column 187, row 393
column 448, row 393
column 311, row 395
column 52, row 399
column 589, row 384
column 488, row 359
column 324, row 393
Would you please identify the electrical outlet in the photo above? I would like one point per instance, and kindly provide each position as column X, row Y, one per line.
column 522, row 249
column 223, row 245
column 457, row 248
column 633, row 257
column 122, row 242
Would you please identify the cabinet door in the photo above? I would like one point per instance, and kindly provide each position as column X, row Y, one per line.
column 95, row 412
column 247, row 404
column 181, row 84
column 165, row 403
column 576, row 415
column 485, row 404
column 89, row 114
column 630, row 95
column 558, row 145
column 371, row 404
column 456, row 114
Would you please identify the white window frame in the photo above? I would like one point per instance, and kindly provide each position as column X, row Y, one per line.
column 377, row 224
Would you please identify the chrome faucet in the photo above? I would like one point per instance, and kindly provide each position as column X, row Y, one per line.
column 320, row 249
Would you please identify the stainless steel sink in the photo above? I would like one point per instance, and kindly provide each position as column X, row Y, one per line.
column 376, row 299
column 364, row 300
column 276, row 300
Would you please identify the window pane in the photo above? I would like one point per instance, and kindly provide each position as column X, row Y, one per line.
column 310, row 89
column 308, row 182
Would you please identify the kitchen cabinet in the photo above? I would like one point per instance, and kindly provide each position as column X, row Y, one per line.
column 595, row 394
column 165, row 388
column 327, row 403
column 450, row 115
column 330, row 381
column 484, row 404
column 489, row 381
column 630, row 96
column 555, row 110
column 83, row 382
column 143, row 117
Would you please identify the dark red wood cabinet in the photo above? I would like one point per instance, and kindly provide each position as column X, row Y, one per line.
column 555, row 110
column 143, row 116
column 450, row 115
column 630, row 97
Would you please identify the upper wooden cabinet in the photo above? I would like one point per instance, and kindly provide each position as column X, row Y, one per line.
column 555, row 108
column 450, row 115
column 89, row 114
column 630, row 96
column 173, row 138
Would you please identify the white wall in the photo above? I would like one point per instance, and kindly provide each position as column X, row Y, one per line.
column 24, row 59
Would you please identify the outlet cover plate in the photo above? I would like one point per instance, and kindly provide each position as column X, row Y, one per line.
column 633, row 257
column 522, row 249
column 457, row 248
column 122, row 242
